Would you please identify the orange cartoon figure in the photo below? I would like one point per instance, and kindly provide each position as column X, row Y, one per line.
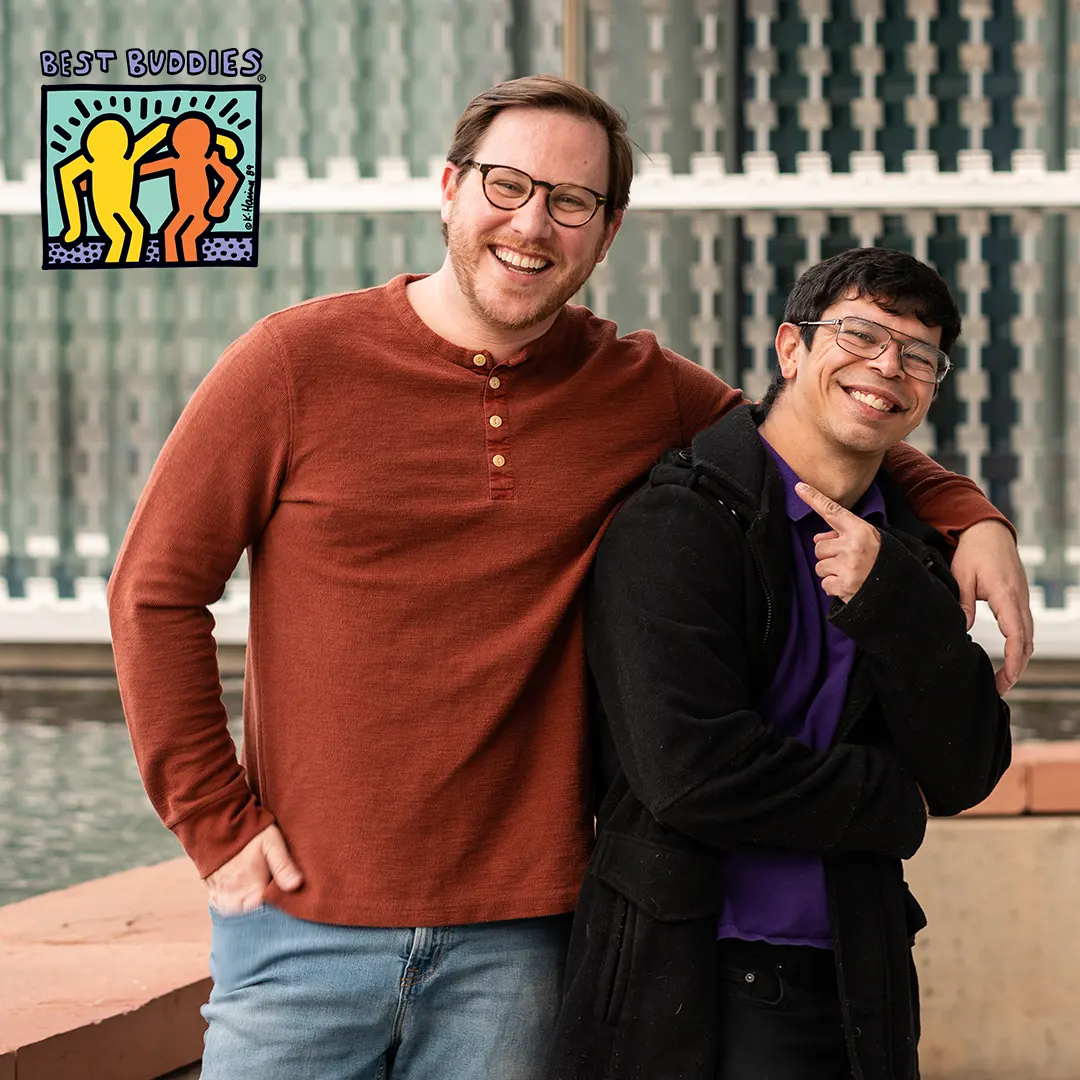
column 200, row 156
column 105, row 172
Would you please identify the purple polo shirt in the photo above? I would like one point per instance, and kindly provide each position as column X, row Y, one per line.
column 780, row 896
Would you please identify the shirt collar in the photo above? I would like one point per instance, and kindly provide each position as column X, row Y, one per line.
column 554, row 343
column 871, row 501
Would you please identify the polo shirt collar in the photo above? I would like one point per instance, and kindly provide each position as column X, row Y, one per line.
column 871, row 501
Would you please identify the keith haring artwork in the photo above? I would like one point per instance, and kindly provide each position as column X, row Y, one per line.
column 157, row 177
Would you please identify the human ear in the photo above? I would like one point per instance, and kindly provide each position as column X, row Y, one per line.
column 448, row 188
column 790, row 349
column 612, row 227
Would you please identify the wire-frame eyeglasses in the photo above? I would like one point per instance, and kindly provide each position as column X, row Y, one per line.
column 867, row 339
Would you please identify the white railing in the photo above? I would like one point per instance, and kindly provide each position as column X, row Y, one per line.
column 1029, row 184
column 41, row 617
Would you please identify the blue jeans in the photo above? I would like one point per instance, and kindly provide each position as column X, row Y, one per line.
column 297, row 1000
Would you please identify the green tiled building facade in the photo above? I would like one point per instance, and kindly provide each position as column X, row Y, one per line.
column 95, row 366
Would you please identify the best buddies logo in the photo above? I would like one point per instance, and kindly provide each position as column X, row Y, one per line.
column 154, row 176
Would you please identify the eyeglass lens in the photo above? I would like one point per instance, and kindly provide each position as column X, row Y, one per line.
column 509, row 188
column 865, row 338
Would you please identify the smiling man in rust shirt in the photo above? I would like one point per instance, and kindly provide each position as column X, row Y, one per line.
column 420, row 474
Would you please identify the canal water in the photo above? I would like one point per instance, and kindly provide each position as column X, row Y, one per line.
column 72, row 806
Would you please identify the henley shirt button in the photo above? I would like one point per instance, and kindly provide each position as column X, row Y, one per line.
column 498, row 461
column 479, row 359
column 494, row 382
column 495, row 421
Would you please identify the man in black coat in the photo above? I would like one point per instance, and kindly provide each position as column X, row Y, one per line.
column 789, row 689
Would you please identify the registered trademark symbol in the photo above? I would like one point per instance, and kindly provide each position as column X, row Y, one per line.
column 262, row 78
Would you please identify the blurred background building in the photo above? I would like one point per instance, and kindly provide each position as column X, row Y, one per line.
column 771, row 133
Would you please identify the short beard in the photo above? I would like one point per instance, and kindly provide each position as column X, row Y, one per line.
column 464, row 274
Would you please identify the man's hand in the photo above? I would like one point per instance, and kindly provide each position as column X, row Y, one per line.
column 987, row 567
column 238, row 886
column 846, row 554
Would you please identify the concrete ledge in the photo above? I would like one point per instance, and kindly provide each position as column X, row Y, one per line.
column 103, row 981
column 999, row 962
column 90, row 658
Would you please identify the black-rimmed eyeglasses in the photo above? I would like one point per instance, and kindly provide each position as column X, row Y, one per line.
column 510, row 189
column 868, row 339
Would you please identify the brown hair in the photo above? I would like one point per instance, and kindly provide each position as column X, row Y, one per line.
column 550, row 92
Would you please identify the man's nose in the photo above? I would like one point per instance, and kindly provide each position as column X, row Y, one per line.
column 888, row 363
column 533, row 219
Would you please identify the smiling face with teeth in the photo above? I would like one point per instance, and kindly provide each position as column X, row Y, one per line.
column 841, row 405
column 515, row 269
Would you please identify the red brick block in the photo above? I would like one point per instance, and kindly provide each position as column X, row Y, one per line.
column 1053, row 777
column 163, row 1035
column 1010, row 797
column 103, row 981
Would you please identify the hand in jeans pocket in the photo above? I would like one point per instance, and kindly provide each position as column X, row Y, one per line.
column 237, row 887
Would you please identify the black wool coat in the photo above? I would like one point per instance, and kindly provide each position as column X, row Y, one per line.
column 687, row 609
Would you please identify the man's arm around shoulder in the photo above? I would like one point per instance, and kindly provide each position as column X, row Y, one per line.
column 986, row 564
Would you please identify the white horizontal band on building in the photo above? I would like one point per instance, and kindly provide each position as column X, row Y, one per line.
column 760, row 186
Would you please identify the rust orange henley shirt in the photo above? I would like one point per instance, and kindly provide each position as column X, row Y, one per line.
column 419, row 520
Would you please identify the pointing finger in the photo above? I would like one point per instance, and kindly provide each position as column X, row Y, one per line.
column 833, row 513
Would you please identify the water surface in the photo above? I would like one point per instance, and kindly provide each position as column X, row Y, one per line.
column 72, row 806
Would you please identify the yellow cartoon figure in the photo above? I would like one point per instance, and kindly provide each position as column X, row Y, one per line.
column 105, row 171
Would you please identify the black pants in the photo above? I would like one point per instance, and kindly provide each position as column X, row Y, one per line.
column 779, row 1013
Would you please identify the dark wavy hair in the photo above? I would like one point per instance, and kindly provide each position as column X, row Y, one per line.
column 894, row 280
